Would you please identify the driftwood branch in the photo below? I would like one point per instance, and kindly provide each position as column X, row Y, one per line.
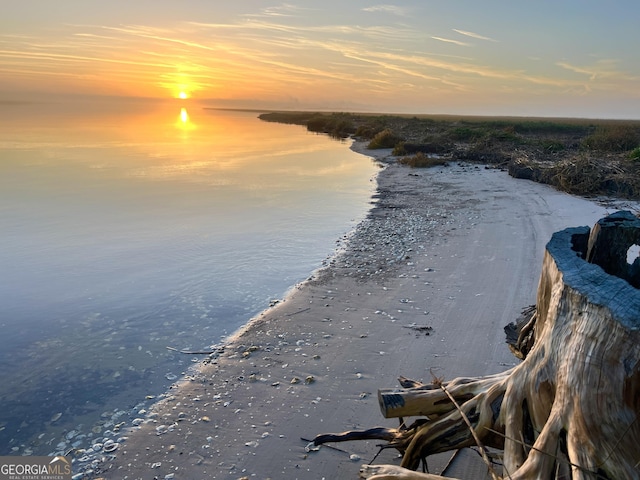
column 438, row 382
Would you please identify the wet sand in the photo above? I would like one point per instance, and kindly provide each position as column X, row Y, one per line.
column 457, row 249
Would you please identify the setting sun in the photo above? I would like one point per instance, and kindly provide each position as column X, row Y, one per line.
column 183, row 95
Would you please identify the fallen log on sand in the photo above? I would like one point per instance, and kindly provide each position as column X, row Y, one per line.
column 570, row 409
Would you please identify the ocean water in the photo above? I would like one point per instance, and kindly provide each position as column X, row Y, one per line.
column 127, row 229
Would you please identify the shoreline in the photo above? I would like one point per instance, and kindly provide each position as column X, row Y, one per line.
column 312, row 363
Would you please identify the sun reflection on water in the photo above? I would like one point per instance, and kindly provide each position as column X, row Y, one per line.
column 184, row 121
column 169, row 141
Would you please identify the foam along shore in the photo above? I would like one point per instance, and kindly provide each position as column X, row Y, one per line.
column 456, row 248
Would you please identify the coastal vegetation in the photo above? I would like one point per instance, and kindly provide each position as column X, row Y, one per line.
column 420, row 160
column 385, row 139
column 580, row 156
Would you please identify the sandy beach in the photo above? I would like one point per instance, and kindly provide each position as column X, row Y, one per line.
column 456, row 248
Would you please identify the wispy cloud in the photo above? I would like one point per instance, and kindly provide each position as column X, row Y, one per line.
column 284, row 10
column 455, row 42
column 393, row 9
column 474, row 35
column 601, row 69
column 286, row 51
column 257, row 56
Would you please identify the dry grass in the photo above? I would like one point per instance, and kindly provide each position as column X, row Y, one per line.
column 420, row 160
column 613, row 138
column 384, row 139
column 583, row 174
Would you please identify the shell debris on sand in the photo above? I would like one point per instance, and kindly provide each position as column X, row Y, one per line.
column 91, row 445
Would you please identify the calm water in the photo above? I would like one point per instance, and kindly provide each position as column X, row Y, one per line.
column 124, row 231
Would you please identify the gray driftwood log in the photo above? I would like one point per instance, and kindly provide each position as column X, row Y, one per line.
column 570, row 409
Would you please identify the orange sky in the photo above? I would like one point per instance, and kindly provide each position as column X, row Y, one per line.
column 576, row 58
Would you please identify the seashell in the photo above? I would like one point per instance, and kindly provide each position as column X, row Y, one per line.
column 309, row 380
column 56, row 417
column 112, row 447
column 312, row 447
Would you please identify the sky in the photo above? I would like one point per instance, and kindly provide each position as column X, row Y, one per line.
column 554, row 58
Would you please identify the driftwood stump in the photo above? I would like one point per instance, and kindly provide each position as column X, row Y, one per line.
column 570, row 409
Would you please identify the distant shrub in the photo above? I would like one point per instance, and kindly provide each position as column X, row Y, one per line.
column 506, row 134
column 466, row 134
column 612, row 138
column 317, row 124
column 635, row 154
column 552, row 146
column 437, row 145
column 296, row 118
column 336, row 125
column 544, row 127
column 399, row 149
column 343, row 128
column 368, row 131
column 420, row 160
column 384, row 139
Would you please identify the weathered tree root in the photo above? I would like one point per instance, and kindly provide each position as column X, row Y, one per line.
column 570, row 409
column 392, row 472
